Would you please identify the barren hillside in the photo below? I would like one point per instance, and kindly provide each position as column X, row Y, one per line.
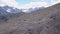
column 46, row 21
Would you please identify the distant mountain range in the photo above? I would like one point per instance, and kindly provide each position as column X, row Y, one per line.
column 7, row 12
column 11, row 9
column 16, row 10
column 33, row 9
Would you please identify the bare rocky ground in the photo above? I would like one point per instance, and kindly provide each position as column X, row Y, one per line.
column 46, row 21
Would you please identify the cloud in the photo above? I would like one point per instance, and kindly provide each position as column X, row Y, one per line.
column 8, row 2
column 54, row 2
column 14, row 3
column 40, row 4
column 35, row 4
column 26, row 6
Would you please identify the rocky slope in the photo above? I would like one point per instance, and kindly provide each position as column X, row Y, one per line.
column 46, row 21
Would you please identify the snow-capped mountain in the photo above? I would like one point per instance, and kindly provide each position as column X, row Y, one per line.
column 12, row 9
column 16, row 10
column 7, row 12
column 33, row 9
column 3, row 12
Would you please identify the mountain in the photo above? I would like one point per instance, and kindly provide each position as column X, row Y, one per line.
column 3, row 14
column 32, row 9
column 35, row 9
column 7, row 12
column 12, row 9
column 46, row 21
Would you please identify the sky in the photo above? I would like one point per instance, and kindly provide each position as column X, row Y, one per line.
column 25, row 4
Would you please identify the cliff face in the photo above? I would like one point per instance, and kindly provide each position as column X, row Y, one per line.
column 46, row 21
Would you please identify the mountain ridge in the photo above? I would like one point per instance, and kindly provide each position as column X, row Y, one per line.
column 46, row 21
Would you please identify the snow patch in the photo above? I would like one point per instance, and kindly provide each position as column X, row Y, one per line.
column 8, row 10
